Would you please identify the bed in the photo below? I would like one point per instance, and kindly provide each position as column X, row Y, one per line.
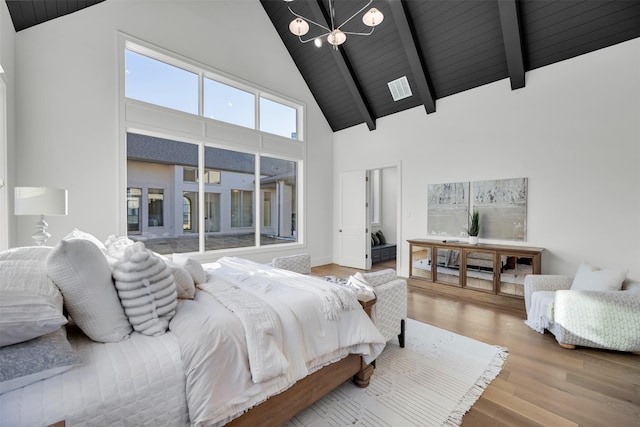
column 214, row 365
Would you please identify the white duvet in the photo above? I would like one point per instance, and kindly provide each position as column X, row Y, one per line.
column 200, row 372
column 319, row 323
column 136, row 382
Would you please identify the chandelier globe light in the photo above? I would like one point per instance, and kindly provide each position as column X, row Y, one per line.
column 299, row 27
column 335, row 35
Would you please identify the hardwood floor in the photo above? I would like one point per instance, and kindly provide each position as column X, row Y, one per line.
column 541, row 384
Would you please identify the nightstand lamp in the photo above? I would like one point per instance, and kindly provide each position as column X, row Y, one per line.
column 40, row 201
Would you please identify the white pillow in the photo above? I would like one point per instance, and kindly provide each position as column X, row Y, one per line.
column 146, row 289
column 115, row 247
column 35, row 360
column 81, row 272
column 363, row 289
column 77, row 234
column 192, row 266
column 30, row 303
column 590, row 278
column 184, row 282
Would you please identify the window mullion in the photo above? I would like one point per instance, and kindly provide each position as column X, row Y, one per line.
column 257, row 202
column 201, row 224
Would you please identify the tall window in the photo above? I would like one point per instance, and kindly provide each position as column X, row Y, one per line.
column 156, row 207
column 186, row 213
column 172, row 83
column 266, row 206
column 279, row 177
column 181, row 189
column 212, row 212
column 241, row 208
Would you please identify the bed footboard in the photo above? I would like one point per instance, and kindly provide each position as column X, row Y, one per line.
column 282, row 407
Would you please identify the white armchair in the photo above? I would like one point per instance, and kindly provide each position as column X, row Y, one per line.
column 600, row 319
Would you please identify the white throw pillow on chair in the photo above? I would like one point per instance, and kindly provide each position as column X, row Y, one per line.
column 590, row 278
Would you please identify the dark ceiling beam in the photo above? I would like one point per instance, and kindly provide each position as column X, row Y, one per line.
column 414, row 57
column 342, row 62
column 511, row 33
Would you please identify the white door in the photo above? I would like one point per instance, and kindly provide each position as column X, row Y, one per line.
column 353, row 234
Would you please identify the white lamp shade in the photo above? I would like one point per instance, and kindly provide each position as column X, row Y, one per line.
column 373, row 17
column 336, row 37
column 40, row 201
column 299, row 27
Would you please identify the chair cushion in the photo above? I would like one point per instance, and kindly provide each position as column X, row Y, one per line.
column 590, row 278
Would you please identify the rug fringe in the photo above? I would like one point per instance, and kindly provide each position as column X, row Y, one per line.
column 474, row 393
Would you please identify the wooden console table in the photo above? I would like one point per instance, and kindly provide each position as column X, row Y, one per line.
column 496, row 269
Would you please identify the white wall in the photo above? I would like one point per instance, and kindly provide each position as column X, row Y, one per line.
column 67, row 109
column 573, row 131
column 7, row 61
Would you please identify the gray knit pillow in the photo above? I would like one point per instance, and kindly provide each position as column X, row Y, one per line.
column 147, row 290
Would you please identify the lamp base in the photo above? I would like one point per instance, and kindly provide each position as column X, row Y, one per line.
column 41, row 235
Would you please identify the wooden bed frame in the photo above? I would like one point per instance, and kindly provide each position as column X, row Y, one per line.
column 282, row 407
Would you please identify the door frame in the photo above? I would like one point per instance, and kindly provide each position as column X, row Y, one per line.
column 400, row 250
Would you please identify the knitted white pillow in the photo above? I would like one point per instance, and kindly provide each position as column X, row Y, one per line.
column 146, row 289
column 81, row 272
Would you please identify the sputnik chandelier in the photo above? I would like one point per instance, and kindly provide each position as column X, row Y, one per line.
column 335, row 36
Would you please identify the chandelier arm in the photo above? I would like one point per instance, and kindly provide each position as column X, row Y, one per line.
column 312, row 38
column 354, row 15
column 359, row 34
column 307, row 19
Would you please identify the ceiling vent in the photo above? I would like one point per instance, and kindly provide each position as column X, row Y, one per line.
column 400, row 88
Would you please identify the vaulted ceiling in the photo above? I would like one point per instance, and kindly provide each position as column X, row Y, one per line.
column 443, row 47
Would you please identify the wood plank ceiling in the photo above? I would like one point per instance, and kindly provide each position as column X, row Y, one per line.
column 443, row 47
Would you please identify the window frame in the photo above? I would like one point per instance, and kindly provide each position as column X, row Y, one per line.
column 149, row 119
column 203, row 72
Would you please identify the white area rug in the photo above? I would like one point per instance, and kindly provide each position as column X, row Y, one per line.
column 433, row 381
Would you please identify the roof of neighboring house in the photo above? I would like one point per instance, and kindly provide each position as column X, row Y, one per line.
column 159, row 150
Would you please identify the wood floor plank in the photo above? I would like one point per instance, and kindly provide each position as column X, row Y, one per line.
column 541, row 384
column 526, row 410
